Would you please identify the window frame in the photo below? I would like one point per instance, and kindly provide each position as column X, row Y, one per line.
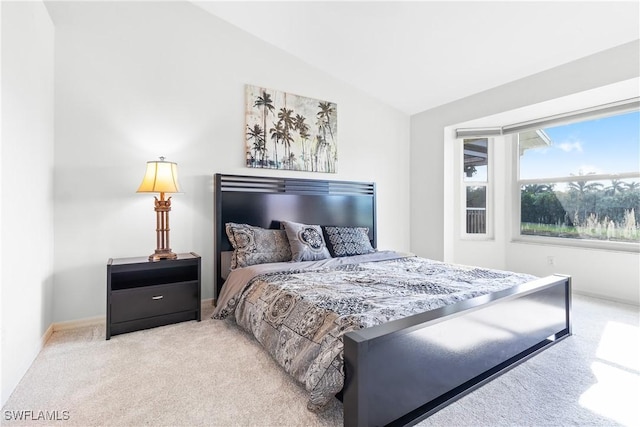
column 516, row 197
column 488, row 185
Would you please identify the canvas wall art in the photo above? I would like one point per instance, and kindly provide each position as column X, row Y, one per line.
column 286, row 131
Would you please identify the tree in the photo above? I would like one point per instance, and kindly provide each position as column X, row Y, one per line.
column 303, row 131
column 291, row 160
column 317, row 151
column 287, row 123
column 583, row 187
column 583, row 190
column 540, row 204
column 259, row 147
column 277, row 133
column 325, row 124
column 632, row 186
column 616, row 187
column 549, row 208
column 266, row 103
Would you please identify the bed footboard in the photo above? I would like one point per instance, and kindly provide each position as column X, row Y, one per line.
column 403, row 371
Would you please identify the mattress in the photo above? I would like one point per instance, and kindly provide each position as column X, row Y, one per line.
column 299, row 312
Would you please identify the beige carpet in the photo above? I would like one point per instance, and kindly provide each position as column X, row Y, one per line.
column 212, row 374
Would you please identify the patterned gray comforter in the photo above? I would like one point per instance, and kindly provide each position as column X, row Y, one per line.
column 300, row 314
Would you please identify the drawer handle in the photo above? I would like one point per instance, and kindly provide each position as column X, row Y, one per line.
column 158, row 297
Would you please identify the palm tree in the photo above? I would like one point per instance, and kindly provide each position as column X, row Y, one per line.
column 291, row 160
column 584, row 186
column 631, row 186
column 287, row 139
column 616, row 186
column 303, row 131
column 266, row 103
column 325, row 115
column 324, row 123
column 317, row 149
column 277, row 133
column 285, row 117
column 255, row 134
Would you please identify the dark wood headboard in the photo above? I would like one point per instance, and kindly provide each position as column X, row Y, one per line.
column 265, row 201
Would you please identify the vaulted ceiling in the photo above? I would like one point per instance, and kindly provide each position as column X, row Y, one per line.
column 417, row 55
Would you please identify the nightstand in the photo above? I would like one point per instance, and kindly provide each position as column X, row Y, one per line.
column 143, row 294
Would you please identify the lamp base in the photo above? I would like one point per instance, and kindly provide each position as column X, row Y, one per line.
column 163, row 251
column 161, row 254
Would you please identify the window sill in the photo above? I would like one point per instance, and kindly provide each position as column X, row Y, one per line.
column 579, row 244
column 477, row 238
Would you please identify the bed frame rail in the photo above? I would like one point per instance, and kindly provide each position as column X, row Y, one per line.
column 403, row 371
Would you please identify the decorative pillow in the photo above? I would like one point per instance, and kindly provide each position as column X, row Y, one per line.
column 346, row 241
column 255, row 245
column 306, row 241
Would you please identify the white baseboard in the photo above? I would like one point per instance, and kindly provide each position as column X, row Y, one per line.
column 80, row 323
column 45, row 337
column 606, row 298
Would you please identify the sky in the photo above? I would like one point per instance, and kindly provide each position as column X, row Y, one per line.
column 603, row 146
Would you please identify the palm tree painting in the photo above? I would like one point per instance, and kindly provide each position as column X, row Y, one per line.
column 286, row 131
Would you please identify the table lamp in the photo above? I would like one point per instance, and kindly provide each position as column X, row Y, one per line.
column 161, row 177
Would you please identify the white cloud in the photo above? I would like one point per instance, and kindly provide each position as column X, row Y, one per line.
column 570, row 146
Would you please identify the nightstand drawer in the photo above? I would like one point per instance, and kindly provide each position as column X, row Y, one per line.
column 149, row 301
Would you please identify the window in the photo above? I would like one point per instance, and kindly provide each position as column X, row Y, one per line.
column 475, row 180
column 582, row 180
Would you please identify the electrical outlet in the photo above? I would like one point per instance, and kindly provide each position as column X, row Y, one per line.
column 551, row 260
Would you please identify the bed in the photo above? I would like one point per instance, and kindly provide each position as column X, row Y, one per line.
column 423, row 355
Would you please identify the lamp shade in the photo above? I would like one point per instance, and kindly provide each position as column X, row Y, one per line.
column 160, row 177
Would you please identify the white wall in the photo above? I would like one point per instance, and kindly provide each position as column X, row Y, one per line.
column 608, row 274
column 3, row 394
column 430, row 165
column 26, row 177
column 136, row 80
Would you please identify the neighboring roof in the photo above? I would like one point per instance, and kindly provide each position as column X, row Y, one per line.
column 475, row 149
column 533, row 139
column 475, row 152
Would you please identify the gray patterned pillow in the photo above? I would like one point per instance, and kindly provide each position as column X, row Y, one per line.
column 255, row 245
column 306, row 241
column 347, row 241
